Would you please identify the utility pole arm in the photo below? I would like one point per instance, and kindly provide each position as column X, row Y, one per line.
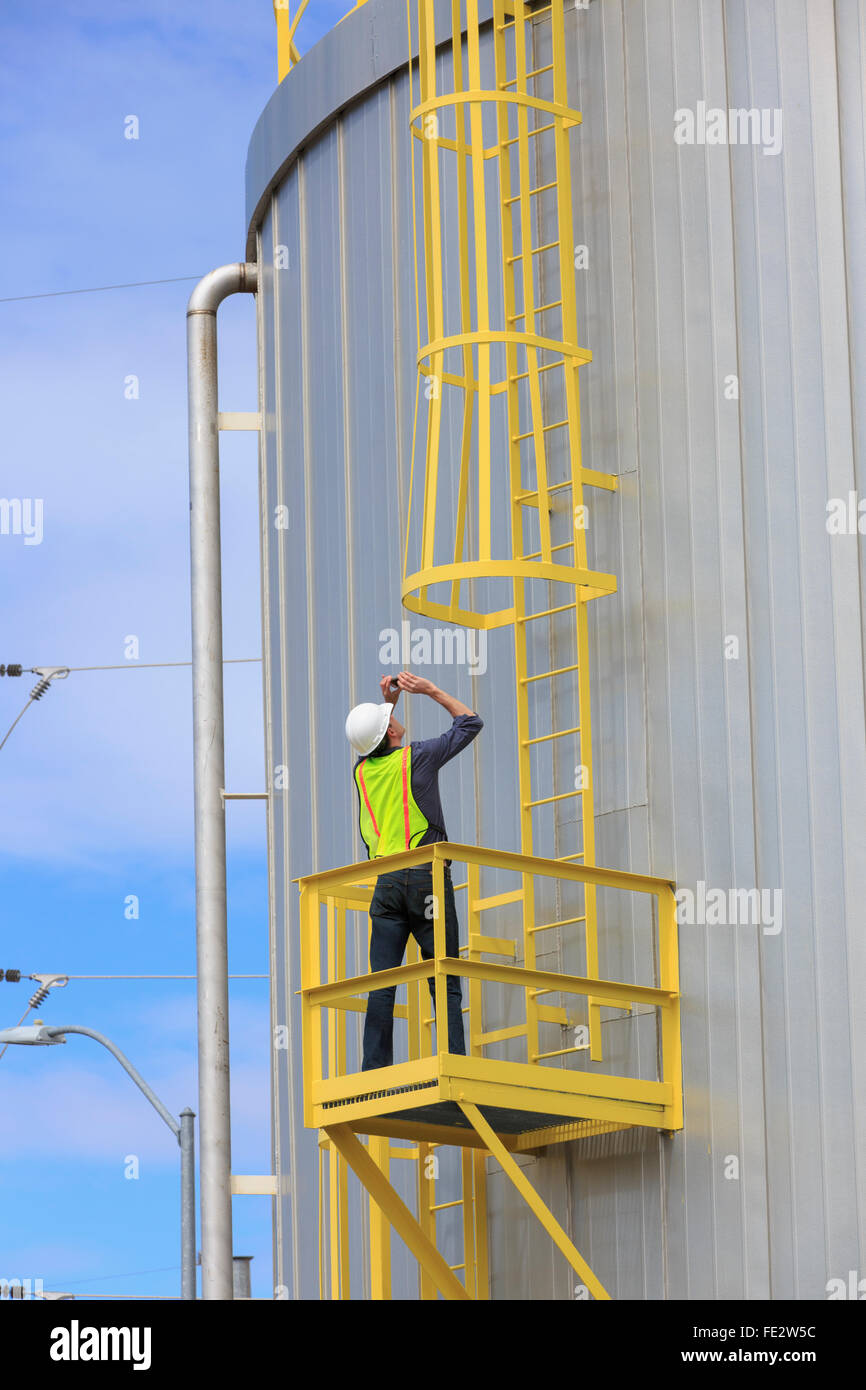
column 124, row 1061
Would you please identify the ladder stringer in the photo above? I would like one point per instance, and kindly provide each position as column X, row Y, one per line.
column 371, row 1176
column 513, row 1171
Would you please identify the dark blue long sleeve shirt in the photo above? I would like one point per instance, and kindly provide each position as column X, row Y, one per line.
column 428, row 755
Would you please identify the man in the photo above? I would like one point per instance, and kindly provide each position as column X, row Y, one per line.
column 399, row 809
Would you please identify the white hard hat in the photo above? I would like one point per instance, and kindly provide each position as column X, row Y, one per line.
column 366, row 725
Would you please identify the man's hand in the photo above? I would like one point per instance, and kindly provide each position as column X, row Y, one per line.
column 388, row 695
column 415, row 685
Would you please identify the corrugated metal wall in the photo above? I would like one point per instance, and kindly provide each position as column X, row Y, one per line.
column 705, row 263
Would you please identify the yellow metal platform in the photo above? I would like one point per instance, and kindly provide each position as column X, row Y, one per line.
column 424, row 1092
column 474, row 1102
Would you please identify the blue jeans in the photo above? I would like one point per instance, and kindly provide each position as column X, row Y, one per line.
column 402, row 904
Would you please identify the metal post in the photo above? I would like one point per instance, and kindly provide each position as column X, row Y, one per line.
column 209, row 776
column 187, row 1203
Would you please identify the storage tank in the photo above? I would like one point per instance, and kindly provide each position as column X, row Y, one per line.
column 719, row 214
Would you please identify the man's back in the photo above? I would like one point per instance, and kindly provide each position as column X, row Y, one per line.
column 399, row 805
column 398, row 809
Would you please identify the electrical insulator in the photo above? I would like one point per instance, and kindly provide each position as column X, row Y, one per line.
column 13, row 976
column 38, row 996
column 13, row 669
column 40, row 688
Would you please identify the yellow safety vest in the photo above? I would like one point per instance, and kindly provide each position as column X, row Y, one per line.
column 390, row 818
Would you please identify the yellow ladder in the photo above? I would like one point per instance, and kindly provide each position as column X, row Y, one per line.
column 551, row 389
column 473, row 1170
column 539, row 414
column 473, row 1201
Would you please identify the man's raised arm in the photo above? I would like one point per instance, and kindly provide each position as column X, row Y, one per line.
column 417, row 685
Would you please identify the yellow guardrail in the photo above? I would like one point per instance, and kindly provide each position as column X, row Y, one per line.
column 539, row 1082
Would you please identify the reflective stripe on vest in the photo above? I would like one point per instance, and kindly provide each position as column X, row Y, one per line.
column 366, row 797
column 390, row 818
column 406, row 797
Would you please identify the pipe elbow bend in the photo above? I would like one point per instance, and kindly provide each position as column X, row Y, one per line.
column 217, row 285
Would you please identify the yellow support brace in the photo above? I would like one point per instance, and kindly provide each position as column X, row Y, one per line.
column 396, row 1211
column 380, row 1231
column 513, row 1171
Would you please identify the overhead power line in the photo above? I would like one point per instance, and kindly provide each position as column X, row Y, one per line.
column 127, row 1274
column 38, row 998
column 15, row 721
column 17, row 1025
column 48, row 673
column 95, row 289
column 129, row 665
column 14, row 976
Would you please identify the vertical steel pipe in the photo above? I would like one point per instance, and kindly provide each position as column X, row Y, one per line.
column 209, row 772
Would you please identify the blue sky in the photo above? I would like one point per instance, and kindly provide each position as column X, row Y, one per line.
column 95, row 782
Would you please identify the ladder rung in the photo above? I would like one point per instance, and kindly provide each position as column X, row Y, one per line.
column 541, row 309
column 546, row 800
column 548, row 367
column 536, row 72
column 542, row 188
column 560, row 1052
column 440, row 1206
column 518, row 1030
column 456, row 1267
column 544, row 675
column 499, row 900
column 544, row 738
column 536, row 554
column 566, row 922
column 563, row 858
column 557, row 425
column 555, row 487
column 536, row 130
column 545, row 613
